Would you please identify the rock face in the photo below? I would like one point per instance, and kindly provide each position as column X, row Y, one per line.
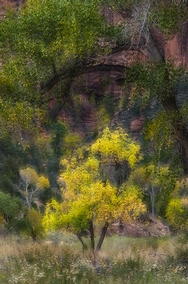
column 148, row 227
column 99, row 86
column 137, row 124
column 82, row 111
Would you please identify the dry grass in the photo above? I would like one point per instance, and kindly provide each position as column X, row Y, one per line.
column 148, row 249
column 146, row 260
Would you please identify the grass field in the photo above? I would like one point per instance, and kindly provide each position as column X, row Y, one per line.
column 122, row 260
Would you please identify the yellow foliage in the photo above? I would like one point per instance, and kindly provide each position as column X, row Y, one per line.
column 117, row 146
column 43, row 182
column 2, row 220
column 64, row 162
column 130, row 204
column 85, row 196
column 32, row 182
column 94, row 201
column 92, row 164
column 174, row 211
column 29, row 175
column 147, row 176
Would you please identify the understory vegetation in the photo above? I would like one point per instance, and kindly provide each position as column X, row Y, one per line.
column 122, row 260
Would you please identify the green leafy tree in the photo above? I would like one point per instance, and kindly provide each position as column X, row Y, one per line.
column 31, row 225
column 88, row 202
column 58, row 135
column 47, row 38
column 16, row 117
column 43, row 43
column 9, row 207
column 177, row 213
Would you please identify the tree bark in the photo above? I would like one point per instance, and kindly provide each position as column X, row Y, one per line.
column 80, row 70
column 84, row 246
column 102, row 236
column 92, row 236
column 152, row 197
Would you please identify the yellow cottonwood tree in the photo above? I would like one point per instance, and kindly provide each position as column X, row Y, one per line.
column 89, row 203
column 31, row 182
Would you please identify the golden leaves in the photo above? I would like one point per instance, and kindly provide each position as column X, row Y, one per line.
column 86, row 197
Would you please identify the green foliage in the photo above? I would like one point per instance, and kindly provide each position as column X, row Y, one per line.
column 177, row 210
column 37, row 152
column 41, row 40
column 168, row 15
column 166, row 182
column 153, row 80
column 159, row 81
column 72, row 141
column 16, row 117
column 58, row 135
column 158, row 183
column 33, row 224
column 9, row 206
column 45, row 35
column 159, row 127
column 11, row 155
column 165, row 15
column 159, row 139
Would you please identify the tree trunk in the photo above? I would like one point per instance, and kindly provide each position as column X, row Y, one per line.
column 33, row 235
column 181, row 135
column 152, row 197
column 84, row 246
column 92, row 235
column 102, row 236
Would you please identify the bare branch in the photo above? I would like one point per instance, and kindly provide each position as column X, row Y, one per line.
column 77, row 71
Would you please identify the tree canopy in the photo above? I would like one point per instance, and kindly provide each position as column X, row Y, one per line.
column 31, row 183
column 47, row 38
column 88, row 201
